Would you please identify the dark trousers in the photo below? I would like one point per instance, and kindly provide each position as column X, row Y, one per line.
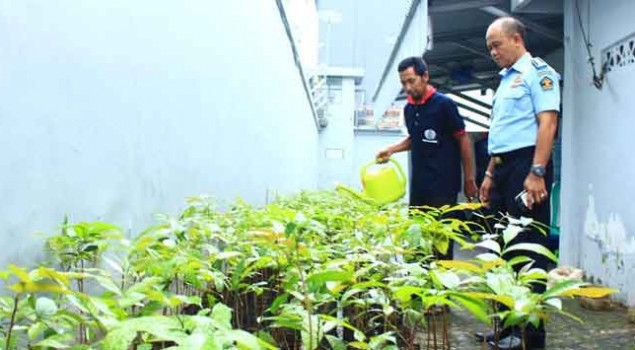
column 509, row 177
column 437, row 202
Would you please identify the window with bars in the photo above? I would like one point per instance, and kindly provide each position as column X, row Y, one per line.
column 619, row 54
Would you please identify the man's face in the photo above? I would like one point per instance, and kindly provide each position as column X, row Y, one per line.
column 414, row 85
column 502, row 47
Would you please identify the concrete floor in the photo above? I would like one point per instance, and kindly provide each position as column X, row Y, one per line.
column 602, row 330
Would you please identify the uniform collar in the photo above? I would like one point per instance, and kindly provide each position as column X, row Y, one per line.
column 428, row 94
column 521, row 65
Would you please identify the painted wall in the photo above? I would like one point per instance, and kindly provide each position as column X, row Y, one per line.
column 336, row 151
column 117, row 110
column 598, row 215
column 343, row 150
column 362, row 36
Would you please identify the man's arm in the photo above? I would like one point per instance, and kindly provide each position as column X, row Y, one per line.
column 547, row 126
column 545, row 97
column 488, row 182
column 465, row 147
column 403, row 145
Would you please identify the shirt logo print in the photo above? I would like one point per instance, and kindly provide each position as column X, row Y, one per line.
column 430, row 136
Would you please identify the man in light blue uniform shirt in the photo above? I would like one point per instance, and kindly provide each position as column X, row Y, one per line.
column 522, row 129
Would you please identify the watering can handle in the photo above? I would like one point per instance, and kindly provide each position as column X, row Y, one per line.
column 402, row 175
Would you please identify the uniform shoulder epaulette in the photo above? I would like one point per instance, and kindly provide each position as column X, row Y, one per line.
column 539, row 63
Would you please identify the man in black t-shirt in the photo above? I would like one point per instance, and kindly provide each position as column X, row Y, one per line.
column 437, row 142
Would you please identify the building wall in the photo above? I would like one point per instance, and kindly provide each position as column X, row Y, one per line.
column 362, row 36
column 343, row 150
column 119, row 110
column 598, row 216
column 336, row 151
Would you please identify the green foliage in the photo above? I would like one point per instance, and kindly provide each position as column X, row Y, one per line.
column 301, row 271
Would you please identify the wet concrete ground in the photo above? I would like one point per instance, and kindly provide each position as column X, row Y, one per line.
column 602, row 330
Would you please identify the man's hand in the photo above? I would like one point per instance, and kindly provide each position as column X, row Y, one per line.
column 383, row 155
column 470, row 190
column 536, row 191
column 486, row 190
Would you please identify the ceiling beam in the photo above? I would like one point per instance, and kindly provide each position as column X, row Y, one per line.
column 445, row 6
column 533, row 26
column 469, row 47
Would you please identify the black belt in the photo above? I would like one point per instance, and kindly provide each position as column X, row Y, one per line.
column 500, row 158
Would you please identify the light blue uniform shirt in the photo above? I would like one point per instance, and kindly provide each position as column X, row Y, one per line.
column 527, row 88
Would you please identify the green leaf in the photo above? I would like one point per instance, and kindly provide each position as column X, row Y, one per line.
column 89, row 248
column 108, row 284
column 379, row 341
column 460, row 265
column 488, row 257
column 554, row 302
column 404, row 293
column 311, row 333
column 279, row 300
column 54, row 343
column 340, row 322
column 200, row 341
column 442, row 244
column 359, row 345
column 490, row 245
column 499, row 283
column 519, row 260
column 321, row 277
column 513, row 319
column 477, row 307
column 591, row 292
column 37, row 287
column 119, row 339
column 510, row 232
column 20, row 273
column 335, row 342
column 247, row 341
column 534, row 248
column 450, row 280
column 561, row 287
column 222, row 315
column 36, row 329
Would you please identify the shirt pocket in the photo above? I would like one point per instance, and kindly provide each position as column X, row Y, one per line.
column 430, row 147
column 514, row 101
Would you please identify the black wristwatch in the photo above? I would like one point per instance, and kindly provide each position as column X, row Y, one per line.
column 538, row 170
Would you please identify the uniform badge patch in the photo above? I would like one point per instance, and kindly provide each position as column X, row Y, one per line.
column 546, row 84
column 430, row 134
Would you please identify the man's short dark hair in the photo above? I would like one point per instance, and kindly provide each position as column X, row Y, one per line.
column 417, row 63
column 512, row 25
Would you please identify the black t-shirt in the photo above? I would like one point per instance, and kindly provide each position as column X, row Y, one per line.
column 435, row 154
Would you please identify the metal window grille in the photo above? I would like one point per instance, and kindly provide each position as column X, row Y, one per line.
column 620, row 54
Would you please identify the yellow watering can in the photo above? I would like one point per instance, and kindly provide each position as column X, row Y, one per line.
column 382, row 183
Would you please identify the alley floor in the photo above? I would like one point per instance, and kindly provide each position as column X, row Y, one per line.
column 602, row 330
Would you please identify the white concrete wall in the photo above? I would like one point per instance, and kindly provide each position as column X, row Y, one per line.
column 598, row 214
column 335, row 155
column 116, row 110
column 343, row 151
